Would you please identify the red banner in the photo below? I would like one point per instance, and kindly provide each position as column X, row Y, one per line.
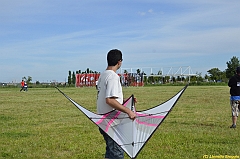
column 86, row 79
column 89, row 79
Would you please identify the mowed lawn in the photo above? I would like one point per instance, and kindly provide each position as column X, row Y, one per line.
column 42, row 123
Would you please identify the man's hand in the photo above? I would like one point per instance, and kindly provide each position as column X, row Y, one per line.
column 131, row 115
column 116, row 105
column 135, row 100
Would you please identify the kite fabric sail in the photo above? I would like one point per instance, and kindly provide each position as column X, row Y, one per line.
column 131, row 135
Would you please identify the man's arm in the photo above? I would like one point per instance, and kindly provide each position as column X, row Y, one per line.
column 116, row 105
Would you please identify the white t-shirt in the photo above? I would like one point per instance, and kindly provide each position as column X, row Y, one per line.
column 108, row 86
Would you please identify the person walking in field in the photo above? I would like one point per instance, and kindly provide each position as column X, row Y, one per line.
column 110, row 97
column 22, row 85
column 234, row 84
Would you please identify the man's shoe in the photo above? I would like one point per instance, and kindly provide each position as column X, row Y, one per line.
column 233, row 126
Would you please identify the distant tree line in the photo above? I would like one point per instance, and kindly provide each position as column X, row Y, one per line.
column 214, row 75
column 217, row 75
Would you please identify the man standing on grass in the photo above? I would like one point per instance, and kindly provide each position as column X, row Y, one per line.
column 22, row 85
column 110, row 97
column 234, row 83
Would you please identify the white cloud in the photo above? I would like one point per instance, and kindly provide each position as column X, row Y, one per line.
column 150, row 11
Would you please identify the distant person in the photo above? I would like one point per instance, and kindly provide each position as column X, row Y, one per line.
column 110, row 97
column 25, row 87
column 126, row 83
column 22, row 85
column 234, row 84
column 96, row 84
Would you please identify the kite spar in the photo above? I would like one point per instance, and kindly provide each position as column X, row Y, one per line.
column 131, row 135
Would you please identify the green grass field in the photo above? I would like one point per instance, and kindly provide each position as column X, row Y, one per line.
column 42, row 123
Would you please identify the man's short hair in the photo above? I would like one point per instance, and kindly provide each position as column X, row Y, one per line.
column 113, row 57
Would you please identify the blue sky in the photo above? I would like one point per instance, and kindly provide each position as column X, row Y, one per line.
column 45, row 39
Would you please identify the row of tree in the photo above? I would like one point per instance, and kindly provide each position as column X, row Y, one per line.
column 214, row 74
column 218, row 75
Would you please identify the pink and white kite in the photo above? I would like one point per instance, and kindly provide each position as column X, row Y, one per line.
column 131, row 135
